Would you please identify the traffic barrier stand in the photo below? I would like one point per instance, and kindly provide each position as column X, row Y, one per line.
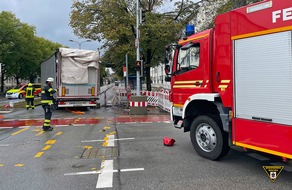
column 138, row 105
column 167, row 141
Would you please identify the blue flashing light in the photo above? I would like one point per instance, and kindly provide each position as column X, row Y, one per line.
column 190, row 29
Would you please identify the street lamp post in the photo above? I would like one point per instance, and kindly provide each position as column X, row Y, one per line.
column 79, row 43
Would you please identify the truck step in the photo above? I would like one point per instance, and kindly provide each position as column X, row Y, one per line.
column 179, row 124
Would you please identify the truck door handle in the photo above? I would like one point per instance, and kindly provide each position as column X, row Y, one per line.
column 217, row 77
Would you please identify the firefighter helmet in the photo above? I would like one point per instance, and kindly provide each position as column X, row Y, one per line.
column 29, row 84
column 50, row 79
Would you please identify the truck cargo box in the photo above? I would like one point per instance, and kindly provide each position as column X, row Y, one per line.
column 76, row 74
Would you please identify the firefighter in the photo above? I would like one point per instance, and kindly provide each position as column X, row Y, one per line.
column 29, row 96
column 47, row 101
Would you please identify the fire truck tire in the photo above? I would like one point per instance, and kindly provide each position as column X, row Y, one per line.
column 208, row 138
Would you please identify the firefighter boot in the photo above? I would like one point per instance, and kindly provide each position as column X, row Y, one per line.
column 48, row 128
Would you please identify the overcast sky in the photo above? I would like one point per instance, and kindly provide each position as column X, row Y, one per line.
column 51, row 19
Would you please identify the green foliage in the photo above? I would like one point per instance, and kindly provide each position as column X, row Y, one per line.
column 20, row 49
column 114, row 23
column 233, row 4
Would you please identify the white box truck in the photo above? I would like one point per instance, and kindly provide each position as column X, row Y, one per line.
column 77, row 77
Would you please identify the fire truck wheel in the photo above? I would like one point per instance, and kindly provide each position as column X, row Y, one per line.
column 208, row 138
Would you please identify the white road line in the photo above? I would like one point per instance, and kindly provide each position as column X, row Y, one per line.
column 6, row 127
column 61, row 125
column 110, row 141
column 121, row 139
column 132, row 169
column 105, row 171
column 23, row 127
column 79, row 124
column 83, row 173
column 105, row 179
column 4, row 144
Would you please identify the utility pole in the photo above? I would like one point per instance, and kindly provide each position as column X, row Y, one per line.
column 137, row 46
column 127, row 78
column 2, row 76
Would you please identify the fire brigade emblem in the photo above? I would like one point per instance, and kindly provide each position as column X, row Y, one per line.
column 273, row 171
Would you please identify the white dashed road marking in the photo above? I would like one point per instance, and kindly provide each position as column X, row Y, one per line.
column 121, row 139
column 110, row 140
column 105, row 178
column 99, row 172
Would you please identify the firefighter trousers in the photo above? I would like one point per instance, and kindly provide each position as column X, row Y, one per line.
column 48, row 116
column 29, row 103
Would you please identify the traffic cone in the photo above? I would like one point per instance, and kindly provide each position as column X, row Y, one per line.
column 167, row 141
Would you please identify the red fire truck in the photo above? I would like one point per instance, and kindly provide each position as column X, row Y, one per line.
column 232, row 85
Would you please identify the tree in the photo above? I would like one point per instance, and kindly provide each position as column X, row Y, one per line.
column 20, row 49
column 113, row 22
column 8, row 26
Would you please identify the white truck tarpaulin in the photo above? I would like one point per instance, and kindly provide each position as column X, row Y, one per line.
column 75, row 64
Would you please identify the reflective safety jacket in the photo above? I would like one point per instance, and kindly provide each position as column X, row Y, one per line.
column 47, row 95
column 29, row 92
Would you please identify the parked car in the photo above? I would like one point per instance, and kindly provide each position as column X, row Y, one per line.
column 19, row 91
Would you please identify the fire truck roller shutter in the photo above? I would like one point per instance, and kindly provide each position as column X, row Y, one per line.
column 263, row 78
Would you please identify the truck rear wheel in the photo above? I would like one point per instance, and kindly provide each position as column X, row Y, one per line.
column 208, row 138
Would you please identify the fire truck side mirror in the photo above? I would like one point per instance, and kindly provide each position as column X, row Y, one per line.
column 167, row 69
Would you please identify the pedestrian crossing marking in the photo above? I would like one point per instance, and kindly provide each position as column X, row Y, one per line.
column 51, row 142
column 19, row 165
column 39, row 154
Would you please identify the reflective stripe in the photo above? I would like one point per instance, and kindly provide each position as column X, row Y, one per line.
column 29, row 92
column 46, row 124
column 47, row 120
column 47, row 101
column 50, row 90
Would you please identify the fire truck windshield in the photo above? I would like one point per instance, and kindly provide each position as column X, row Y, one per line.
column 188, row 59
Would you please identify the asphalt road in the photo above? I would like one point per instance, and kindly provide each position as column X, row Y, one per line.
column 107, row 148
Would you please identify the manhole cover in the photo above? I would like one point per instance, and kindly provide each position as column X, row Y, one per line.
column 100, row 152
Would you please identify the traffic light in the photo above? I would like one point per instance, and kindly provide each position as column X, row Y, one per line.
column 138, row 65
column 142, row 16
column 3, row 69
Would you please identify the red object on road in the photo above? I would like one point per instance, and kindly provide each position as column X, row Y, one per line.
column 167, row 141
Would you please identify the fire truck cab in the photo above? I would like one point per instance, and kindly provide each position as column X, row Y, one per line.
column 232, row 85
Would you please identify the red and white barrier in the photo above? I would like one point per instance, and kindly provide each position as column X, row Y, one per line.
column 160, row 99
column 138, row 104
